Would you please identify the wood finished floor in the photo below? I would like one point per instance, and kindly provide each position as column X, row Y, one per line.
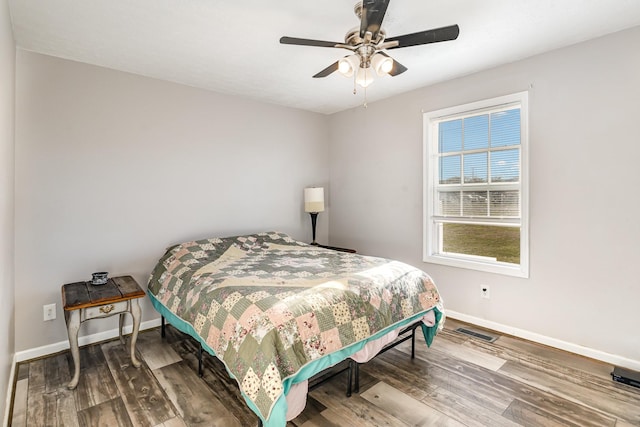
column 459, row 381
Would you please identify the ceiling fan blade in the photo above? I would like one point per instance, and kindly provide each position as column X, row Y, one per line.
column 373, row 12
column 398, row 68
column 307, row 42
column 424, row 37
column 330, row 69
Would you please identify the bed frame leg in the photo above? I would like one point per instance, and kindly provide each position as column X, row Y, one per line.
column 413, row 343
column 349, row 377
column 163, row 332
column 353, row 372
column 200, row 361
column 356, row 387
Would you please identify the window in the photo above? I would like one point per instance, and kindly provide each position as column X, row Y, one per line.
column 475, row 171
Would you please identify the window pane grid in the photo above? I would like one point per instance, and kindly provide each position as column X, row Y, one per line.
column 476, row 150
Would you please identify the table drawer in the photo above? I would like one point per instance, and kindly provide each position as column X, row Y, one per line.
column 106, row 310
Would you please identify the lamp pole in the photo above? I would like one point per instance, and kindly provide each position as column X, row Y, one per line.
column 314, row 217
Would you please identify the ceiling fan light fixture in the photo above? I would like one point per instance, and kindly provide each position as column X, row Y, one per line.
column 348, row 65
column 364, row 77
column 382, row 64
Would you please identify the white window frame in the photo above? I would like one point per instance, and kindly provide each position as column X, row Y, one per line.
column 431, row 178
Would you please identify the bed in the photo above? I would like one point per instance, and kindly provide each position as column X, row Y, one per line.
column 277, row 311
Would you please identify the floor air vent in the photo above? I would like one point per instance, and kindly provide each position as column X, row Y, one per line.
column 485, row 337
column 626, row 376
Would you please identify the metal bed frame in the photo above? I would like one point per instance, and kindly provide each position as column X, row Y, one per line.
column 352, row 368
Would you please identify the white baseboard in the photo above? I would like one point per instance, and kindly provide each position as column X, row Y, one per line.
column 551, row 342
column 45, row 350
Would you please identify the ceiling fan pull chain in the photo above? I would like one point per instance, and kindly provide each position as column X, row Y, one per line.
column 365, row 97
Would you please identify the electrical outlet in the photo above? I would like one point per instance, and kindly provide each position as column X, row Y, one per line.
column 49, row 312
column 484, row 292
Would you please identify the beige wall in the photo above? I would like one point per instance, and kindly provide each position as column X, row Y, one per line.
column 7, row 100
column 111, row 168
column 584, row 157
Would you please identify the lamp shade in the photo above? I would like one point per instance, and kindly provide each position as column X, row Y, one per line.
column 314, row 199
column 382, row 64
column 348, row 65
column 364, row 77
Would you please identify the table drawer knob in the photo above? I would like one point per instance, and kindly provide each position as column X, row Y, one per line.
column 107, row 309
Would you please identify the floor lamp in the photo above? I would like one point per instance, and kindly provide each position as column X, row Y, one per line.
column 314, row 203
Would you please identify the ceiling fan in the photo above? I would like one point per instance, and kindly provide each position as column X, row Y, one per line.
column 369, row 42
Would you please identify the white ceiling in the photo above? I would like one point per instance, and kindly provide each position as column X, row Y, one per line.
column 233, row 47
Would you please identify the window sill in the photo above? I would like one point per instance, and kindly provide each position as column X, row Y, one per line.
column 476, row 263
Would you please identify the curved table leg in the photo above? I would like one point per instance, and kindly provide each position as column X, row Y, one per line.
column 122, row 340
column 135, row 313
column 73, row 325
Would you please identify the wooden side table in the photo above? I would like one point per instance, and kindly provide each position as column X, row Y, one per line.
column 84, row 301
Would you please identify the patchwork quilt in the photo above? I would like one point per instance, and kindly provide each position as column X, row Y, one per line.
column 268, row 305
